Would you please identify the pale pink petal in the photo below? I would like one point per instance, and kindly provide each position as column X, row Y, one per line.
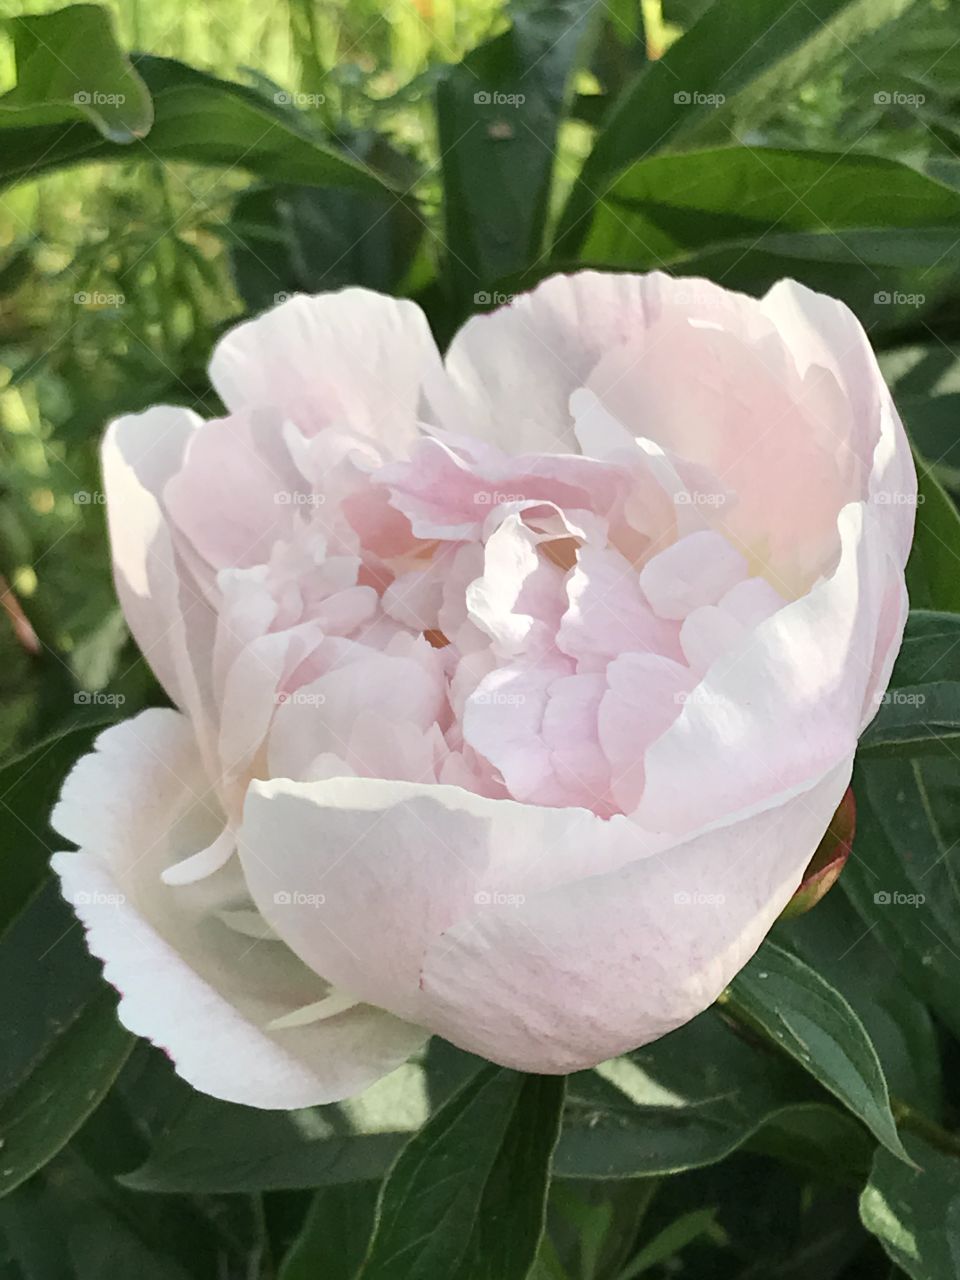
column 695, row 571
column 353, row 359
column 189, row 983
column 397, row 864
column 579, row 973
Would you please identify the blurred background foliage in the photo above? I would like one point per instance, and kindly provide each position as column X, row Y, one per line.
column 310, row 144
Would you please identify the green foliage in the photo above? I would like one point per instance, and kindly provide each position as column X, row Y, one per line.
column 166, row 171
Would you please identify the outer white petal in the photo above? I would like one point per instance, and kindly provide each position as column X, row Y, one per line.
column 191, row 984
column 588, row 970
column 354, row 359
column 139, row 454
column 398, row 863
column 546, row 939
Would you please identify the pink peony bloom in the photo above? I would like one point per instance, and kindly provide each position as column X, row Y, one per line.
column 514, row 691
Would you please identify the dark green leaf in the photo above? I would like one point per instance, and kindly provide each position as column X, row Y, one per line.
column 690, row 1100
column 45, row 1110
column 334, row 1238
column 933, row 570
column 930, row 651
column 212, row 1146
column 29, row 785
column 921, row 719
column 205, row 121
column 747, row 216
column 915, row 1213
column 465, row 1199
column 70, row 69
column 902, row 877
column 814, row 1024
column 832, row 940
column 305, row 240
column 497, row 114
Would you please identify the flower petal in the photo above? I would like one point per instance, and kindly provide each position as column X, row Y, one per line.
column 567, row 978
column 202, row 991
column 354, row 359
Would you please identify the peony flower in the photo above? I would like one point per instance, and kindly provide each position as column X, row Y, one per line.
column 513, row 692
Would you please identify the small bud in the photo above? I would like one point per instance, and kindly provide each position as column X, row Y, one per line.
column 828, row 861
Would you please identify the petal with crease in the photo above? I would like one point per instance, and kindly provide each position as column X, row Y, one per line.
column 199, row 989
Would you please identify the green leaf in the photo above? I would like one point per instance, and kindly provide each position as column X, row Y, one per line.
column 933, row 570
column 732, row 44
column 691, row 1099
column 70, row 68
column 334, row 1238
column 466, row 1198
column 670, row 1241
column 833, row 941
column 497, row 117
column 922, row 719
column 200, row 119
column 29, row 785
column 749, row 215
column 931, row 422
column 915, row 1213
column 287, row 239
column 814, row 1024
column 902, row 877
column 211, row 1146
column 61, row 1045
column 930, row 651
